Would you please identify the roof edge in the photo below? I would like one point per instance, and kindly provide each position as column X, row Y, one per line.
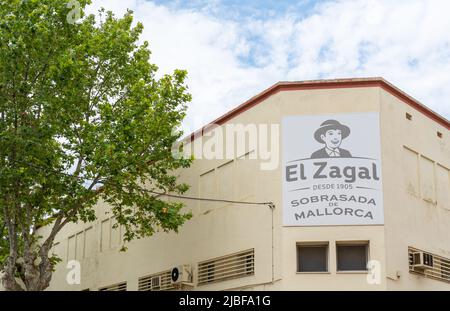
column 323, row 84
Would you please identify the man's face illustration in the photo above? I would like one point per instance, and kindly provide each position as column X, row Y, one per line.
column 332, row 138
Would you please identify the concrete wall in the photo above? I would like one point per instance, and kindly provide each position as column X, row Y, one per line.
column 416, row 165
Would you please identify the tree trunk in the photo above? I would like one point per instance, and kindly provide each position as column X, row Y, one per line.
column 10, row 283
column 36, row 276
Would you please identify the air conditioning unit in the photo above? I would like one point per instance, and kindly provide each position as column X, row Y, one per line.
column 181, row 274
column 422, row 260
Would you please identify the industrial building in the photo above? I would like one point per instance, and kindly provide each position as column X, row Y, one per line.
column 339, row 185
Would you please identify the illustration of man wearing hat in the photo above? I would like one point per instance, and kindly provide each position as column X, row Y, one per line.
column 331, row 133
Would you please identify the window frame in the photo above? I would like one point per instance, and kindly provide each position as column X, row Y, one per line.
column 325, row 244
column 365, row 243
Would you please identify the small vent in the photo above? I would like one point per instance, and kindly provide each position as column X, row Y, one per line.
column 408, row 116
column 439, row 134
column 120, row 287
column 156, row 282
column 439, row 266
column 227, row 267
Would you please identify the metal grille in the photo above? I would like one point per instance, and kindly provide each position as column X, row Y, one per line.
column 119, row 287
column 227, row 267
column 156, row 282
column 439, row 271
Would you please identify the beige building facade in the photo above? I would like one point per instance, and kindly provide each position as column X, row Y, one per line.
column 239, row 246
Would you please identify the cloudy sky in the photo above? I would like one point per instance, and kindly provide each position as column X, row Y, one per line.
column 235, row 49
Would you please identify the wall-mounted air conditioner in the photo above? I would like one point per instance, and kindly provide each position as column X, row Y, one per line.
column 181, row 274
column 422, row 260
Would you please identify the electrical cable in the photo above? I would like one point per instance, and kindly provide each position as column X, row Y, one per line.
column 209, row 199
column 270, row 204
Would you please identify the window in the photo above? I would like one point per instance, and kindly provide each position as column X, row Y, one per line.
column 120, row 287
column 249, row 264
column 427, row 179
column 445, row 269
column 156, row 282
column 210, row 272
column 352, row 256
column 312, row 257
column 410, row 161
column 227, row 267
column 225, row 178
column 439, row 269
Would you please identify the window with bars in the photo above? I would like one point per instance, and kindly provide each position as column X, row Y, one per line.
column 440, row 269
column 227, row 267
column 119, row 287
column 156, row 282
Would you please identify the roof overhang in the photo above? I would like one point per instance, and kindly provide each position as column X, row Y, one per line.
column 320, row 85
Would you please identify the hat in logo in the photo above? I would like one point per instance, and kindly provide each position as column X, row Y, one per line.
column 331, row 125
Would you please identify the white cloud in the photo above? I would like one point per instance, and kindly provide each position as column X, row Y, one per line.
column 230, row 60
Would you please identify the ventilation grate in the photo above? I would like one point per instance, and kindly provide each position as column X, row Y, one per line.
column 156, row 282
column 439, row 271
column 119, row 287
column 227, row 267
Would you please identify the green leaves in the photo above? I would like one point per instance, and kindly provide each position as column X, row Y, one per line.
column 83, row 118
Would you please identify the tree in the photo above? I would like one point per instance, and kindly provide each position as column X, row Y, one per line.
column 83, row 118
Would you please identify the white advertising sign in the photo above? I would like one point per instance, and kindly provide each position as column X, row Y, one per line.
column 332, row 170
